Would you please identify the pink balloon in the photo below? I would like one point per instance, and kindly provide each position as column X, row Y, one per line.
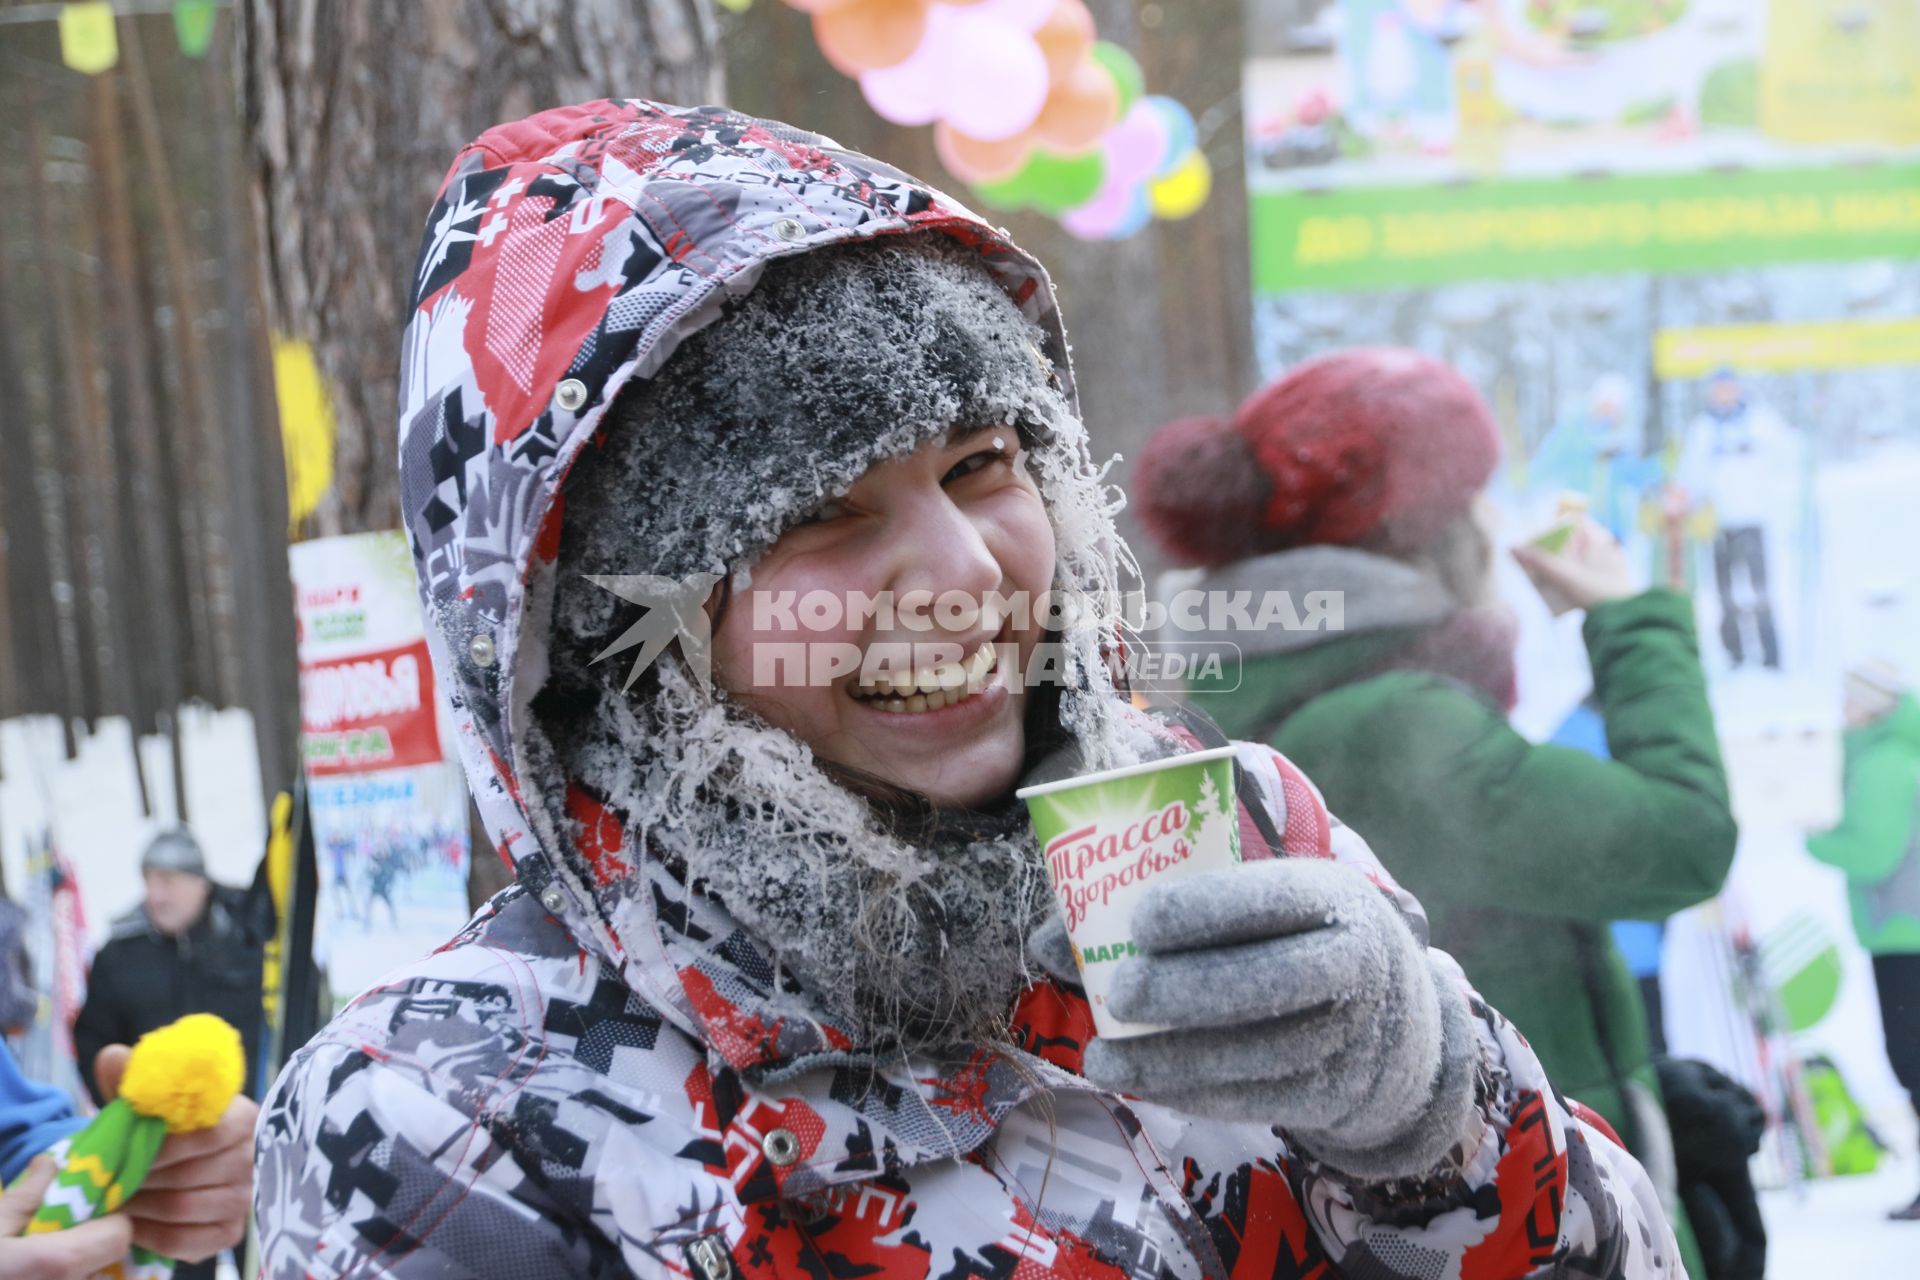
column 1028, row 15
column 912, row 92
column 1100, row 217
column 1135, row 146
column 995, row 75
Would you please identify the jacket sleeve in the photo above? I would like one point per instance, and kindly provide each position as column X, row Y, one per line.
column 1876, row 818
column 32, row 1117
column 363, row 1166
column 1538, row 1191
column 1532, row 1190
column 1467, row 804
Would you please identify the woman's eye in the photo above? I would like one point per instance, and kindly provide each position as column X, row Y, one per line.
column 828, row 511
column 978, row 462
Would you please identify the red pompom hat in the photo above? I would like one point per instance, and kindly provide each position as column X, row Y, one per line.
column 1375, row 447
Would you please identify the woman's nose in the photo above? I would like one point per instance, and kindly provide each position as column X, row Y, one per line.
column 939, row 548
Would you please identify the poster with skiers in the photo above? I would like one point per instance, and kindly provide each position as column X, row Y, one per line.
column 388, row 804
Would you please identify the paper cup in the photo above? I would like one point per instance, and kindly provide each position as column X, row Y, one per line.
column 1108, row 836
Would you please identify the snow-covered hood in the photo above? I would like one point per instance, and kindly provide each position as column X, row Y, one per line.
column 567, row 254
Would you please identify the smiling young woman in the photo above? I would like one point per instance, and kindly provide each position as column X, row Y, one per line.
column 741, row 1018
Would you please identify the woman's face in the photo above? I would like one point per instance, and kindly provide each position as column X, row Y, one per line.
column 856, row 635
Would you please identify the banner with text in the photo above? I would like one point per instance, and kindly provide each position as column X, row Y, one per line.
column 387, row 798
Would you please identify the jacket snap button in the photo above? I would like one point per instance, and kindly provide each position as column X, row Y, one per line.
column 553, row 897
column 788, row 229
column 571, row 394
column 781, row 1147
column 480, row 649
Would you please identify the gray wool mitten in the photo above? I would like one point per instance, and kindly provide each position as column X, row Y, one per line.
column 1298, row 997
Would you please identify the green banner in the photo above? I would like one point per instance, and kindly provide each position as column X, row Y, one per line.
column 1410, row 236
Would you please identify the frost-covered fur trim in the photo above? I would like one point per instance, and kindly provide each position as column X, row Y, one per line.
column 837, row 359
column 899, row 940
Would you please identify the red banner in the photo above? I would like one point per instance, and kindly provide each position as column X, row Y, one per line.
column 369, row 711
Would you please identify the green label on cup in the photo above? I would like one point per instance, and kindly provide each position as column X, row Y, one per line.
column 1107, row 837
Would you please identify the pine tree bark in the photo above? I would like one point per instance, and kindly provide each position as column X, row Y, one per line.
column 353, row 111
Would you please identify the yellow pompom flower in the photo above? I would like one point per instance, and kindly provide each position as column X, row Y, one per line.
column 185, row 1073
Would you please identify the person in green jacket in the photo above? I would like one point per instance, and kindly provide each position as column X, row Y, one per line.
column 1361, row 473
column 1877, row 845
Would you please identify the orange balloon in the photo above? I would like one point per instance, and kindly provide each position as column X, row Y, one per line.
column 972, row 160
column 816, row 6
column 1065, row 37
column 865, row 35
column 1081, row 107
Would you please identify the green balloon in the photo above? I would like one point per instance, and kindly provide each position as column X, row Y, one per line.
column 1056, row 183
column 1125, row 71
column 1004, row 195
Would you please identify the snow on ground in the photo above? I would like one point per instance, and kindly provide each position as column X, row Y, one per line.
column 1837, row 1229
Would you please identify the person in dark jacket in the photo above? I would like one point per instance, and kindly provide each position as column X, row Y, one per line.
column 190, row 947
column 1361, row 472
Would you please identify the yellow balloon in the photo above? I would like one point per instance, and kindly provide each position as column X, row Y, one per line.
column 1181, row 193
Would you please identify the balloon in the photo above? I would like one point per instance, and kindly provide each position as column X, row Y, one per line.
column 1116, row 212
column 975, row 161
column 1024, row 14
column 1180, row 132
column 912, row 92
column 1004, row 196
column 1054, row 183
column 817, row 6
column 1124, row 70
column 1138, row 214
column 1080, row 108
column 995, row 78
column 1135, row 146
column 1065, row 37
column 1182, row 192
column 864, row 35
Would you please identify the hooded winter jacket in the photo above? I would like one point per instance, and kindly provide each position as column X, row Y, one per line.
column 602, row 1074
column 1877, row 842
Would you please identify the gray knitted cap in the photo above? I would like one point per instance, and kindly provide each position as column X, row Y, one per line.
column 838, row 359
column 174, row 850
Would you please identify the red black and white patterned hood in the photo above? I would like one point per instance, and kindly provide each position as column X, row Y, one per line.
column 566, row 255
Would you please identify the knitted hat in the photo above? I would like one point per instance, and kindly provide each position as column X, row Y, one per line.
column 838, row 359
column 1376, row 447
column 174, row 850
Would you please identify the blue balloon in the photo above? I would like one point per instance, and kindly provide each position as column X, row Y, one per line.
column 1181, row 134
column 1139, row 214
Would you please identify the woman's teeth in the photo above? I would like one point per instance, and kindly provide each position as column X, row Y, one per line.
column 931, row 688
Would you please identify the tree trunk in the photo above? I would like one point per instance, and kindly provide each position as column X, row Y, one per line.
column 257, row 576
column 353, row 112
column 192, row 444
column 76, row 394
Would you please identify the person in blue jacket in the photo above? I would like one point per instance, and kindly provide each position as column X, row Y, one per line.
column 193, row 1204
